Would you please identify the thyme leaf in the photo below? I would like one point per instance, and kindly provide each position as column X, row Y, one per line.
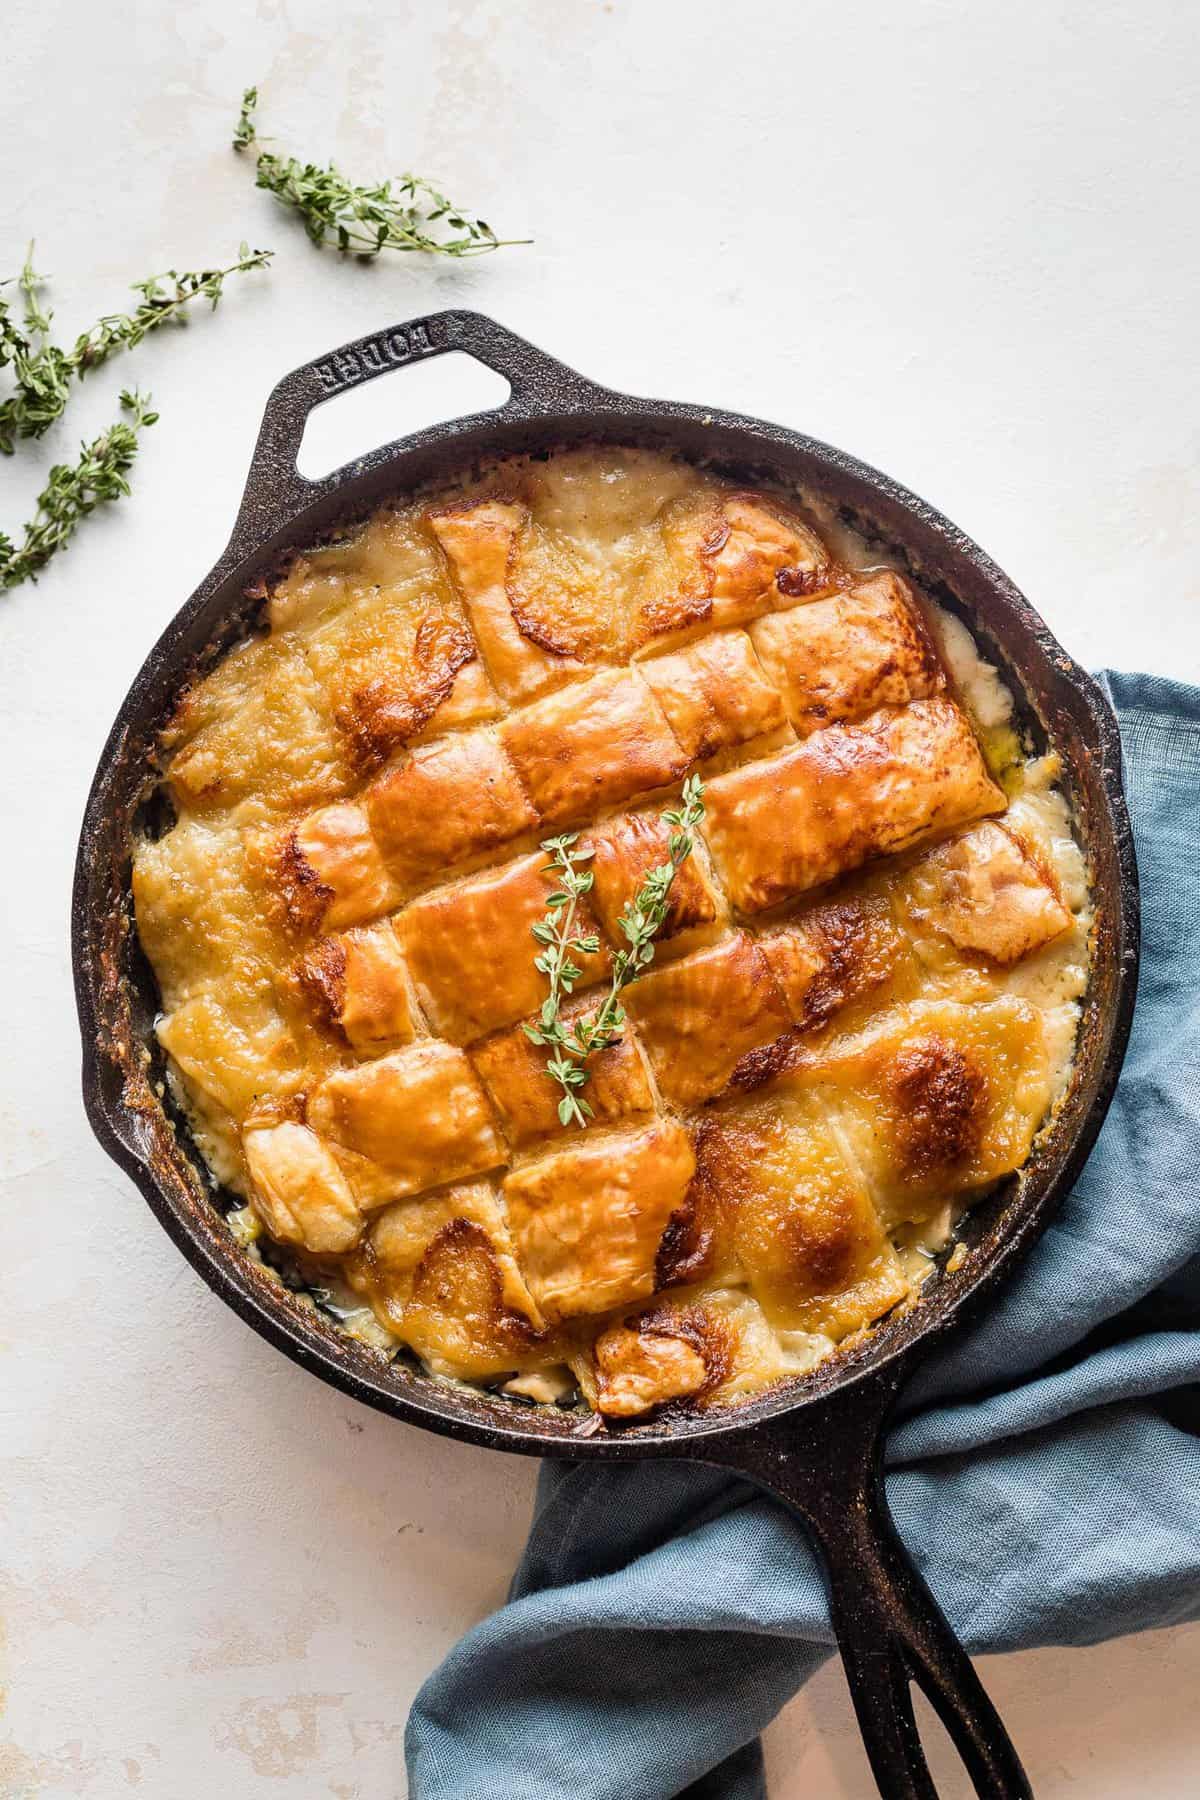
column 44, row 372
column 641, row 921
column 403, row 213
column 75, row 490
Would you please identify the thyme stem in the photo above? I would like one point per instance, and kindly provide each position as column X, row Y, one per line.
column 75, row 490
column 44, row 371
column 403, row 213
column 641, row 920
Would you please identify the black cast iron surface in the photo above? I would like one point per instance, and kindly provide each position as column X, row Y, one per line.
column 815, row 1442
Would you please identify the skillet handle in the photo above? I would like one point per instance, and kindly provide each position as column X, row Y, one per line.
column 828, row 1469
column 275, row 489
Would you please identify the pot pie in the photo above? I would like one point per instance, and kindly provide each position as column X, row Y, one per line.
column 864, row 997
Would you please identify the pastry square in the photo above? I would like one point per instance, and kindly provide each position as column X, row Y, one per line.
column 255, row 730
column 715, row 694
column 774, row 1197
column 759, row 555
column 625, row 850
column 936, row 1099
column 587, row 1219
column 833, row 954
column 846, row 656
column 401, row 1235
column 440, row 1272
column 592, row 745
column 411, row 1120
column 450, row 803
column 846, row 794
column 471, row 948
column 988, row 893
column 234, row 1049
column 699, row 1017
column 647, row 1365
column 356, row 982
column 300, row 1192
column 197, row 894
column 527, row 654
column 513, row 1071
column 390, row 642
column 327, row 872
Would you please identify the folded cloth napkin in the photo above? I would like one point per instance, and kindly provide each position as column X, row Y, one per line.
column 1045, row 1472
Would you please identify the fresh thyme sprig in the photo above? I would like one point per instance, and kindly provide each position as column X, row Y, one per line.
column 44, row 372
column 402, row 213
column 641, row 921
column 159, row 304
column 75, row 490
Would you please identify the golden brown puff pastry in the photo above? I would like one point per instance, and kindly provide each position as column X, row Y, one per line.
column 233, row 1057
column 774, row 1198
column 481, row 539
column 326, row 872
column 833, row 953
column 448, row 804
column 200, row 915
column 846, row 794
column 299, row 1191
column 738, row 1348
column 411, row 1120
column 586, row 1220
column 606, row 562
column 848, row 655
column 715, row 695
column 935, row 1099
column 254, row 730
column 440, row 1272
column 356, row 981
column 760, row 555
column 646, row 1364
column 440, row 684
column 386, row 638
column 700, row 1016
column 624, row 852
column 592, row 745
column 987, row 892
column 513, row 1071
column 399, row 1239
column 471, row 950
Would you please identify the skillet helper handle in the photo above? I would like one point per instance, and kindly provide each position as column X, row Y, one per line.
column 827, row 1468
column 275, row 487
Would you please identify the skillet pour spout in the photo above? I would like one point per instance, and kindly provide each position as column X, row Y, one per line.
column 813, row 1443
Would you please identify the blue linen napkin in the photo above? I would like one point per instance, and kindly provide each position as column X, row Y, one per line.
column 1045, row 1473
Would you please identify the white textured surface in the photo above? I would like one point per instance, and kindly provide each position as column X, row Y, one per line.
column 958, row 240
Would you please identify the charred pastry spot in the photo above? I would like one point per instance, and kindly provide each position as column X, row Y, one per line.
column 940, row 1096
column 715, row 535
column 459, row 1277
column 297, row 891
column 706, row 1332
column 844, row 932
column 321, row 975
column 380, row 717
column 796, row 583
column 540, row 632
column 826, row 1250
column 691, row 604
column 759, row 1066
column 685, row 1248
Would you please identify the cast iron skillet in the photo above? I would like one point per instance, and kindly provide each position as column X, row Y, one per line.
column 815, row 1442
